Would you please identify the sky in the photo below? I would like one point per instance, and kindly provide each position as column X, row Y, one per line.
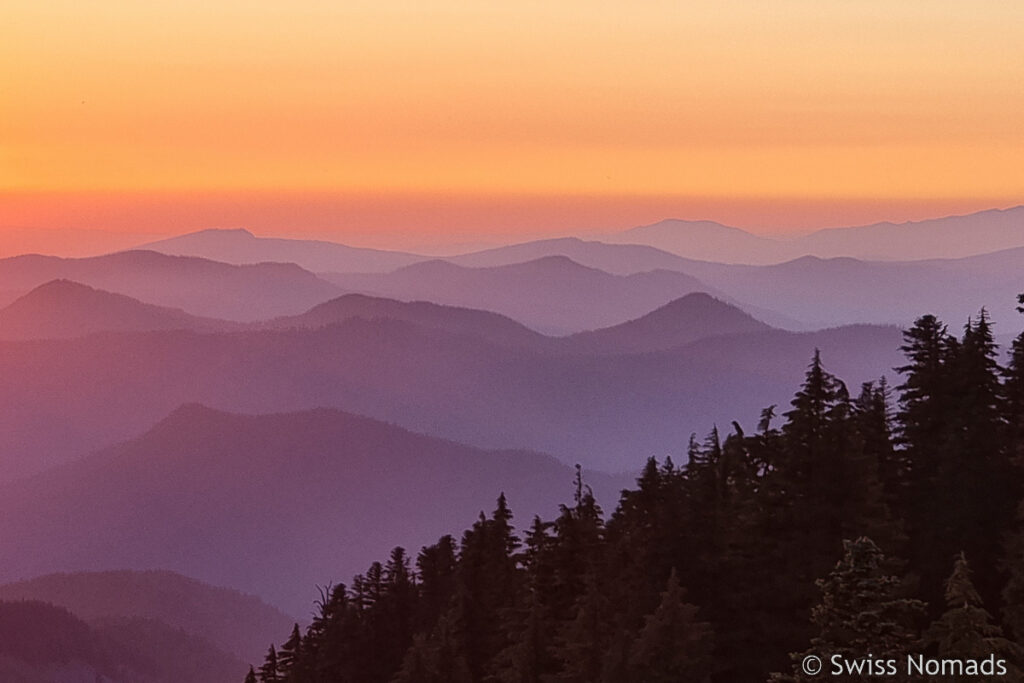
column 441, row 121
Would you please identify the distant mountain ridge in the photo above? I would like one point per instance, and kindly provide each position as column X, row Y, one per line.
column 239, row 624
column 45, row 643
column 947, row 237
column 62, row 309
column 239, row 247
column 493, row 327
column 685, row 320
column 238, row 499
column 605, row 410
column 552, row 294
column 198, row 286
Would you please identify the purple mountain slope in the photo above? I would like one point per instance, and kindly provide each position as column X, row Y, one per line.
column 197, row 286
column 239, row 624
column 271, row 504
column 843, row 290
column 554, row 294
column 705, row 241
column 491, row 327
column 606, row 411
column 947, row 237
column 64, row 309
column 692, row 317
column 242, row 247
column 44, row 643
column 617, row 259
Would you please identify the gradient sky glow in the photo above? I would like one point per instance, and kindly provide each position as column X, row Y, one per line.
column 442, row 114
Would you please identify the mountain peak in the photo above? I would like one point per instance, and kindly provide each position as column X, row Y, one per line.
column 242, row 233
column 61, row 309
column 679, row 322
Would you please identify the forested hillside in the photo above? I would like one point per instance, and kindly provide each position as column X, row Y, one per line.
column 866, row 520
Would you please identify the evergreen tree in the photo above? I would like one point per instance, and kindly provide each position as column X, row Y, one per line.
column 966, row 631
column 488, row 581
column 397, row 610
column 673, row 645
column 251, row 676
column 436, row 571
column 289, row 653
column 439, row 658
column 577, row 548
column 583, row 642
column 1013, row 394
column 269, row 672
column 528, row 658
column 925, row 393
column 861, row 614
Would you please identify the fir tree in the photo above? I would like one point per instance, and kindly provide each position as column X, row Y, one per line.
column 269, row 672
column 528, row 657
column 289, row 653
column 1013, row 394
column 436, row 567
column 251, row 676
column 966, row 631
column 583, row 642
column 673, row 645
column 861, row 614
column 436, row 659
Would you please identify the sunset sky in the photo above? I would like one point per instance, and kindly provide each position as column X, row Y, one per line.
column 436, row 122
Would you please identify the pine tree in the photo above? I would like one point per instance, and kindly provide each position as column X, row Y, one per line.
column 951, row 425
column 673, row 645
column 577, row 548
column 289, row 653
column 1013, row 394
column 436, row 573
column 971, row 485
column 861, row 613
column 966, row 631
column 251, row 676
column 488, row 581
column 528, row 657
column 439, row 658
column 583, row 642
column 269, row 672
column 395, row 624
column 805, row 500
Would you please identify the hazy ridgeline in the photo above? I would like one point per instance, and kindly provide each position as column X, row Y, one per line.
column 272, row 415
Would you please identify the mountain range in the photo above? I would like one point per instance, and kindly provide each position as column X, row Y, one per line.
column 64, row 309
column 553, row 294
column 235, row 623
column 567, row 285
column 946, row 237
column 198, row 286
column 608, row 399
column 241, row 247
column 44, row 643
column 272, row 504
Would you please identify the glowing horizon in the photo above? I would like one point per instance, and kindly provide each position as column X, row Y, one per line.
column 169, row 117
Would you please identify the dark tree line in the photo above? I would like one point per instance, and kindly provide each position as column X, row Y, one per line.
column 719, row 569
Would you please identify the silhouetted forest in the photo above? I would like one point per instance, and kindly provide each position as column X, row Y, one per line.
column 882, row 521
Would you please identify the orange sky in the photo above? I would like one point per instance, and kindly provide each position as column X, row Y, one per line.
column 441, row 121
